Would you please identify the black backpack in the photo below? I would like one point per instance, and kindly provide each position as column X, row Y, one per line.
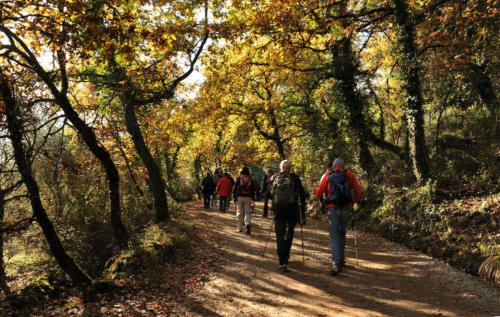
column 284, row 190
column 340, row 190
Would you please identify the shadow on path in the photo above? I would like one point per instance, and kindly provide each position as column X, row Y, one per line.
column 389, row 281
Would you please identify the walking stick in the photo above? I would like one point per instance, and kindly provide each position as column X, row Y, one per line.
column 355, row 241
column 316, row 226
column 302, row 233
column 268, row 235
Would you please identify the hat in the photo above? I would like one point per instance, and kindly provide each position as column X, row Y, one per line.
column 338, row 162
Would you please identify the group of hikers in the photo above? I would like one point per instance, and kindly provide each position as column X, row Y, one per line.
column 337, row 191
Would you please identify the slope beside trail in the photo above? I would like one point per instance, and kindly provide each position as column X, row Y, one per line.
column 390, row 280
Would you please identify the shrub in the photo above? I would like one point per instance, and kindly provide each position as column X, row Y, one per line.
column 150, row 249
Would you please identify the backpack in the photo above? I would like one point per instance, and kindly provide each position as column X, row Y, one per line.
column 284, row 190
column 245, row 184
column 340, row 191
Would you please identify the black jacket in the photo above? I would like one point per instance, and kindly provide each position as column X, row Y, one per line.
column 237, row 188
column 300, row 194
column 208, row 185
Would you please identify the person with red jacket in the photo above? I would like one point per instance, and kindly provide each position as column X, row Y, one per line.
column 342, row 191
column 224, row 187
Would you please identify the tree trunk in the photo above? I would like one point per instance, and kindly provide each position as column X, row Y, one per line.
column 14, row 125
column 156, row 183
column 3, row 277
column 127, row 164
column 482, row 82
column 90, row 139
column 344, row 69
column 410, row 71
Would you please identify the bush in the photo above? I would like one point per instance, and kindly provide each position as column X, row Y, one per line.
column 150, row 249
column 462, row 232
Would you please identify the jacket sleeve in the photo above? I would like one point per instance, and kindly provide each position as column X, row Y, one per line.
column 354, row 185
column 301, row 192
column 217, row 188
column 323, row 184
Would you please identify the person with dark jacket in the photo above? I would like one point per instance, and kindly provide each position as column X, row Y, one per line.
column 243, row 192
column 215, row 178
column 289, row 205
column 338, row 214
column 229, row 198
column 265, row 187
column 208, row 190
column 224, row 187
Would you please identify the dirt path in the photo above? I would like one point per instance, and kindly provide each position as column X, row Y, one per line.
column 389, row 281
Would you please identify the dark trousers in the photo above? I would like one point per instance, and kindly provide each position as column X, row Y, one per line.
column 285, row 219
column 223, row 203
column 206, row 200
column 266, row 200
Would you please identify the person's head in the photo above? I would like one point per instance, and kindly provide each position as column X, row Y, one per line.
column 245, row 171
column 338, row 162
column 269, row 171
column 209, row 174
column 329, row 165
column 285, row 166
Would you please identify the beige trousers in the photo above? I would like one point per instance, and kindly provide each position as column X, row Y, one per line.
column 243, row 214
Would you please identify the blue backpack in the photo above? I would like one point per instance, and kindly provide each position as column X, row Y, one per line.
column 340, row 191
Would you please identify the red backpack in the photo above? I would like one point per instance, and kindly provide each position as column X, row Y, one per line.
column 245, row 185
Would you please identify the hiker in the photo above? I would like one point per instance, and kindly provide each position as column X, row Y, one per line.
column 230, row 197
column 208, row 190
column 329, row 169
column 255, row 187
column 215, row 178
column 287, row 194
column 342, row 190
column 265, row 187
column 224, row 187
column 243, row 193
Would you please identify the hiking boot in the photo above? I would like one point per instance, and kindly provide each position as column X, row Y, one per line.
column 283, row 268
column 336, row 269
column 264, row 215
column 248, row 229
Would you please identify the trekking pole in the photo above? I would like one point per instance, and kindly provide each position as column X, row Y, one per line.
column 268, row 235
column 355, row 241
column 302, row 233
column 316, row 225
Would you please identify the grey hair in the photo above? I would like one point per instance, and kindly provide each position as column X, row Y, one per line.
column 286, row 165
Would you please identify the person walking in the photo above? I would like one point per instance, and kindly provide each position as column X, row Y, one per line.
column 329, row 170
column 287, row 194
column 265, row 187
column 224, row 187
column 215, row 178
column 229, row 198
column 243, row 192
column 342, row 190
column 208, row 188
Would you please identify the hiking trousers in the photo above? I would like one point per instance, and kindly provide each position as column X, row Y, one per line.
column 243, row 213
column 337, row 220
column 206, row 199
column 266, row 201
column 285, row 219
